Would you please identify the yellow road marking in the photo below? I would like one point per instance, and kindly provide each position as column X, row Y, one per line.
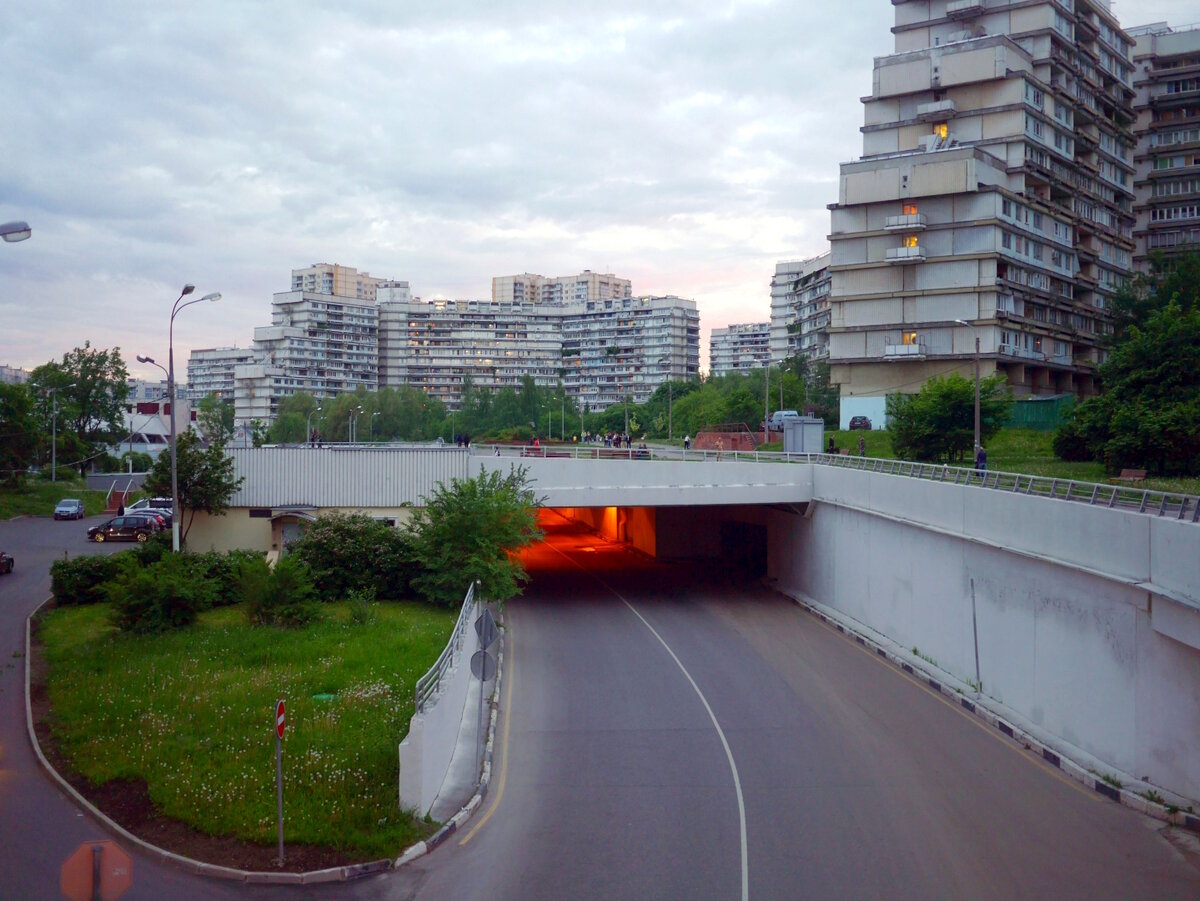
column 508, row 693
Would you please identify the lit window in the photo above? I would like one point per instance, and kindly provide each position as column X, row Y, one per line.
column 910, row 209
column 910, row 240
column 910, row 338
column 941, row 129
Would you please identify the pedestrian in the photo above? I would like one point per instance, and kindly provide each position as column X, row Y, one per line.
column 687, row 442
column 720, row 448
column 862, row 446
column 832, row 449
column 980, row 459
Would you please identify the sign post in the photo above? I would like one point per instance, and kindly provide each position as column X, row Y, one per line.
column 280, row 727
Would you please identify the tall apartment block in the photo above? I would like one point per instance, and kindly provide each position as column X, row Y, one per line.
column 739, row 348
column 993, row 200
column 330, row 278
column 800, row 309
column 211, row 370
column 619, row 347
column 433, row 346
column 586, row 286
column 1167, row 80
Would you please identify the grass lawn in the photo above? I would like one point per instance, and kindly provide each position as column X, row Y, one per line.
column 192, row 714
column 37, row 497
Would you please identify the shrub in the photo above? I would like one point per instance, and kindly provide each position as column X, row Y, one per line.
column 283, row 596
column 362, row 606
column 156, row 598
column 81, row 581
column 222, row 571
column 1071, row 444
column 356, row 553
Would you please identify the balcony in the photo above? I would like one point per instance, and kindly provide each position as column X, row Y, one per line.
column 1022, row 353
column 909, row 222
column 915, row 351
column 964, row 9
column 905, row 255
column 936, row 111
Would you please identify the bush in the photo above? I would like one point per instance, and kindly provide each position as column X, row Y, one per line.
column 362, row 607
column 356, row 553
column 81, row 581
column 1071, row 444
column 156, row 598
column 283, row 596
column 222, row 571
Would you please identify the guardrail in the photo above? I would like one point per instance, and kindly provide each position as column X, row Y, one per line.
column 430, row 683
column 1142, row 500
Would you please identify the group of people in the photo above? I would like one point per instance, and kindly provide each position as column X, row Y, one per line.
column 608, row 439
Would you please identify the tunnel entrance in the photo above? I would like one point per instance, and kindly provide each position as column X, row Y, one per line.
column 744, row 549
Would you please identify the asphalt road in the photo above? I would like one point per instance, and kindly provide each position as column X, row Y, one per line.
column 668, row 733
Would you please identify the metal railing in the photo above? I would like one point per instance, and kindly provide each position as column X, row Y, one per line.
column 430, row 683
column 1141, row 500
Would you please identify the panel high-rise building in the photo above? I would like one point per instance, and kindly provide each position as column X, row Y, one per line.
column 800, row 309
column 993, row 201
column 739, row 348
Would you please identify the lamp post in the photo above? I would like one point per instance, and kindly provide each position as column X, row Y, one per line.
column 308, row 424
column 54, row 429
column 371, row 425
column 666, row 361
column 150, row 360
column 976, row 331
column 767, row 402
column 12, row 232
column 175, row 309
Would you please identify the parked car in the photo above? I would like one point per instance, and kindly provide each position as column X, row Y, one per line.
column 150, row 503
column 6, row 562
column 860, row 422
column 69, row 508
column 135, row 527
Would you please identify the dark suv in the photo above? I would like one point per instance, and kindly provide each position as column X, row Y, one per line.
column 130, row 527
column 860, row 422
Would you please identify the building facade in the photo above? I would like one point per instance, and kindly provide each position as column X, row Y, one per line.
column 994, row 200
column 331, row 278
column 211, row 370
column 739, row 348
column 800, row 309
column 1167, row 80
column 580, row 288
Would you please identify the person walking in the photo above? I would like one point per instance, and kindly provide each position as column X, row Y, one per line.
column 980, row 459
column 687, row 442
column 720, row 449
column 862, row 446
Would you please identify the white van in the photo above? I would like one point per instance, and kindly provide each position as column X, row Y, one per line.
column 779, row 417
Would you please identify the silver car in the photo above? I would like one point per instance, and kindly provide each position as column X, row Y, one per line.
column 69, row 508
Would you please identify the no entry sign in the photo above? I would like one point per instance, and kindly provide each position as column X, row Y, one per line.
column 280, row 719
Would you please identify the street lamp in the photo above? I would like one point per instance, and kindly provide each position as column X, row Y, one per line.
column 976, row 331
column 371, row 425
column 175, row 309
column 54, row 428
column 12, row 232
column 150, row 360
column 308, row 424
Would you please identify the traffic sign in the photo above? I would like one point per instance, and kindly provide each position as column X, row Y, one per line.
column 485, row 628
column 483, row 666
column 280, row 719
column 99, row 869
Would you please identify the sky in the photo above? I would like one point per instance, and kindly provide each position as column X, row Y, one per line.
column 687, row 146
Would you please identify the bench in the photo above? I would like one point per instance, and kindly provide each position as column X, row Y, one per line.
column 1132, row 475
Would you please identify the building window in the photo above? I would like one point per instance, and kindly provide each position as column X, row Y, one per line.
column 910, row 240
column 909, row 337
column 910, row 209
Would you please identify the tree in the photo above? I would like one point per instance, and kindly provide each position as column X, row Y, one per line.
column 18, row 433
column 1149, row 415
column 938, row 424
column 205, row 475
column 92, row 386
column 215, row 418
column 1174, row 278
column 470, row 531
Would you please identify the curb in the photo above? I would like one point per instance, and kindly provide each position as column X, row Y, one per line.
column 188, row 864
column 420, row 849
column 1070, row 768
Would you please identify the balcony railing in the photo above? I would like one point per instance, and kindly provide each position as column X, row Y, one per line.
column 937, row 110
column 904, row 255
column 904, row 351
column 909, row 222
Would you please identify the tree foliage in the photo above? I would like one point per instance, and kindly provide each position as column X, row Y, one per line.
column 1169, row 279
column 1149, row 414
column 18, row 433
column 348, row 553
column 469, row 531
column 92, row 387
column 938, row 424
column 215, row 418
column 205, row 474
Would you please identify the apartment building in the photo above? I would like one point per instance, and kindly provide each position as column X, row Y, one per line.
column 625, row 347
column 433, row 346
column 739, row 348
column 13, row 375
column 580, row 288
column 800, row 309
column 993, row 200
column 1167, row 81
column 211, row 370
column 317, row 343
column 331, row 278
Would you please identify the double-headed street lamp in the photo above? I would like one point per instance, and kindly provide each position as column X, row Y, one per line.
column 175, row 310
column 308, row 433
column 976, row 331
column 54, row 428
column 371, row 425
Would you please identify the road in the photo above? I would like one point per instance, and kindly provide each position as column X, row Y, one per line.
column 668, row 733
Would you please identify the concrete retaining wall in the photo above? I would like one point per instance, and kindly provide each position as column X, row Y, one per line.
column 432, row 735
column 1088, row 619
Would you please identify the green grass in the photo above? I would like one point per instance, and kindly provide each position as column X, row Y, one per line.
column 38, row 496
column 192, row 714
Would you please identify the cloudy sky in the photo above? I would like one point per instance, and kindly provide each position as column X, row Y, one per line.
column 687, row 146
